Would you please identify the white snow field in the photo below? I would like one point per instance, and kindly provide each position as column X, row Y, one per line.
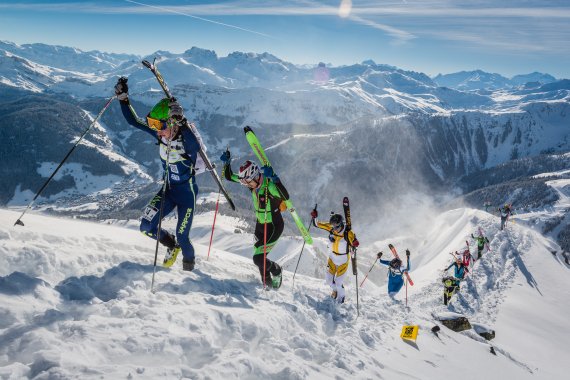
column 75, row 302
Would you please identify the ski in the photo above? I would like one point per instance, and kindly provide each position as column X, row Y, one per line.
column 346, row 208
column 152, row 67
column 395, row 253
column 347, row 218
column 262, row 157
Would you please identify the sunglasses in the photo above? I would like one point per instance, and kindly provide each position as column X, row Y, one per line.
column 155, row 124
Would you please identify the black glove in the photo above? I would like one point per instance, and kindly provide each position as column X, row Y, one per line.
column 175, row 111
column 122, row 88
column 408, row 253
column 379, row 255
column 226, row 156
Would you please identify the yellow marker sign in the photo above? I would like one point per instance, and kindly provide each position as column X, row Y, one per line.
column 409, row 332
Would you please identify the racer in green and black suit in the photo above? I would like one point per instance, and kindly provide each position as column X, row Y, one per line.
column 268, row 194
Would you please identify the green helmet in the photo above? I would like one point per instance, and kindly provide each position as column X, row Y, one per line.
column 160, row 110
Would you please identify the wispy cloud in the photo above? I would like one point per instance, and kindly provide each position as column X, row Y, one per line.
column 237, row 8
column 313, row 8
column 399, row 19
column 466, row 12
column 166, row 9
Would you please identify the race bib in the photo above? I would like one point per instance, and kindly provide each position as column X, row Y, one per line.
column 175, row 177
column 149, row 213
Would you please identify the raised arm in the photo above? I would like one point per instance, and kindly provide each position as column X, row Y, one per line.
column 227, row 171
column 323, row 225
column 122, row 92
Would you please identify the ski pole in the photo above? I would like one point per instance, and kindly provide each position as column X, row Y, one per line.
column 265, row 240
column 302, row 248
column 406, row 281
column 213, row 225
column 369, row 270
column 355, row 272
column 19, row 221
column 163, row 197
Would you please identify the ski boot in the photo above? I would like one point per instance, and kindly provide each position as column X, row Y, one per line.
column 188, row 265
column 171, row 255
column 276, row 281
column 268, row 282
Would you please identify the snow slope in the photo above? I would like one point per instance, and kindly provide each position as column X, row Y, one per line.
column 75, row 302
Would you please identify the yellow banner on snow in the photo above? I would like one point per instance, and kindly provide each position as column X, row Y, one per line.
column 409, row 332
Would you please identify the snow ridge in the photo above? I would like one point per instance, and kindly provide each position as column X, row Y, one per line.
column 88, row 312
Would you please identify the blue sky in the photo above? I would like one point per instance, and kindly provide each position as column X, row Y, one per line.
column 432, row 36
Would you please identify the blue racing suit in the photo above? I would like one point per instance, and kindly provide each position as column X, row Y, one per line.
column 395, row 276
column 181, row 190
column 459, row 271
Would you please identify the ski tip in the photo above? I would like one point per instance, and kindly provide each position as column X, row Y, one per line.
column 247, row 128
column 147, row 63
column 390, row 246
column 19, row 223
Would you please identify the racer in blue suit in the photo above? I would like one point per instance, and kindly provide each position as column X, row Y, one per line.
column 395, row 272
column 452, row 284
column 181, row 142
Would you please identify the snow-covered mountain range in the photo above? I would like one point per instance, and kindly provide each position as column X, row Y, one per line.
column 391, row 129
column 480, row 80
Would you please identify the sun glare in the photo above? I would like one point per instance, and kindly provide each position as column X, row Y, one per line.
column 345, row 8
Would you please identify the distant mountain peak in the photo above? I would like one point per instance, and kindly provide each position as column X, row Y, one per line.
column 202, row 53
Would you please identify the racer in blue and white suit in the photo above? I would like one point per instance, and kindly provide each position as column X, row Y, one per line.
column 166, row 123
column 395, row 273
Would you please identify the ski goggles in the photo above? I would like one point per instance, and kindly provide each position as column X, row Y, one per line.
column 155, row 124
column 338, row 226
column 248, row 182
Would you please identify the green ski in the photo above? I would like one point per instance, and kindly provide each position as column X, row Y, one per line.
column 262, row 157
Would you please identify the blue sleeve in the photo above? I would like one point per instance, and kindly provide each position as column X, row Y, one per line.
column 134, row 120
column 452, row 264
column 191, row 143
column 385, row 262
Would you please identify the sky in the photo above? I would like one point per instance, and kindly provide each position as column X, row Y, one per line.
column 432, row 36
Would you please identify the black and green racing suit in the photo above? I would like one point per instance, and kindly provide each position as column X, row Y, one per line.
column 268, row 216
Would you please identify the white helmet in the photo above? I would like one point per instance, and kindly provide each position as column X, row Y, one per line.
column 249, row 171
